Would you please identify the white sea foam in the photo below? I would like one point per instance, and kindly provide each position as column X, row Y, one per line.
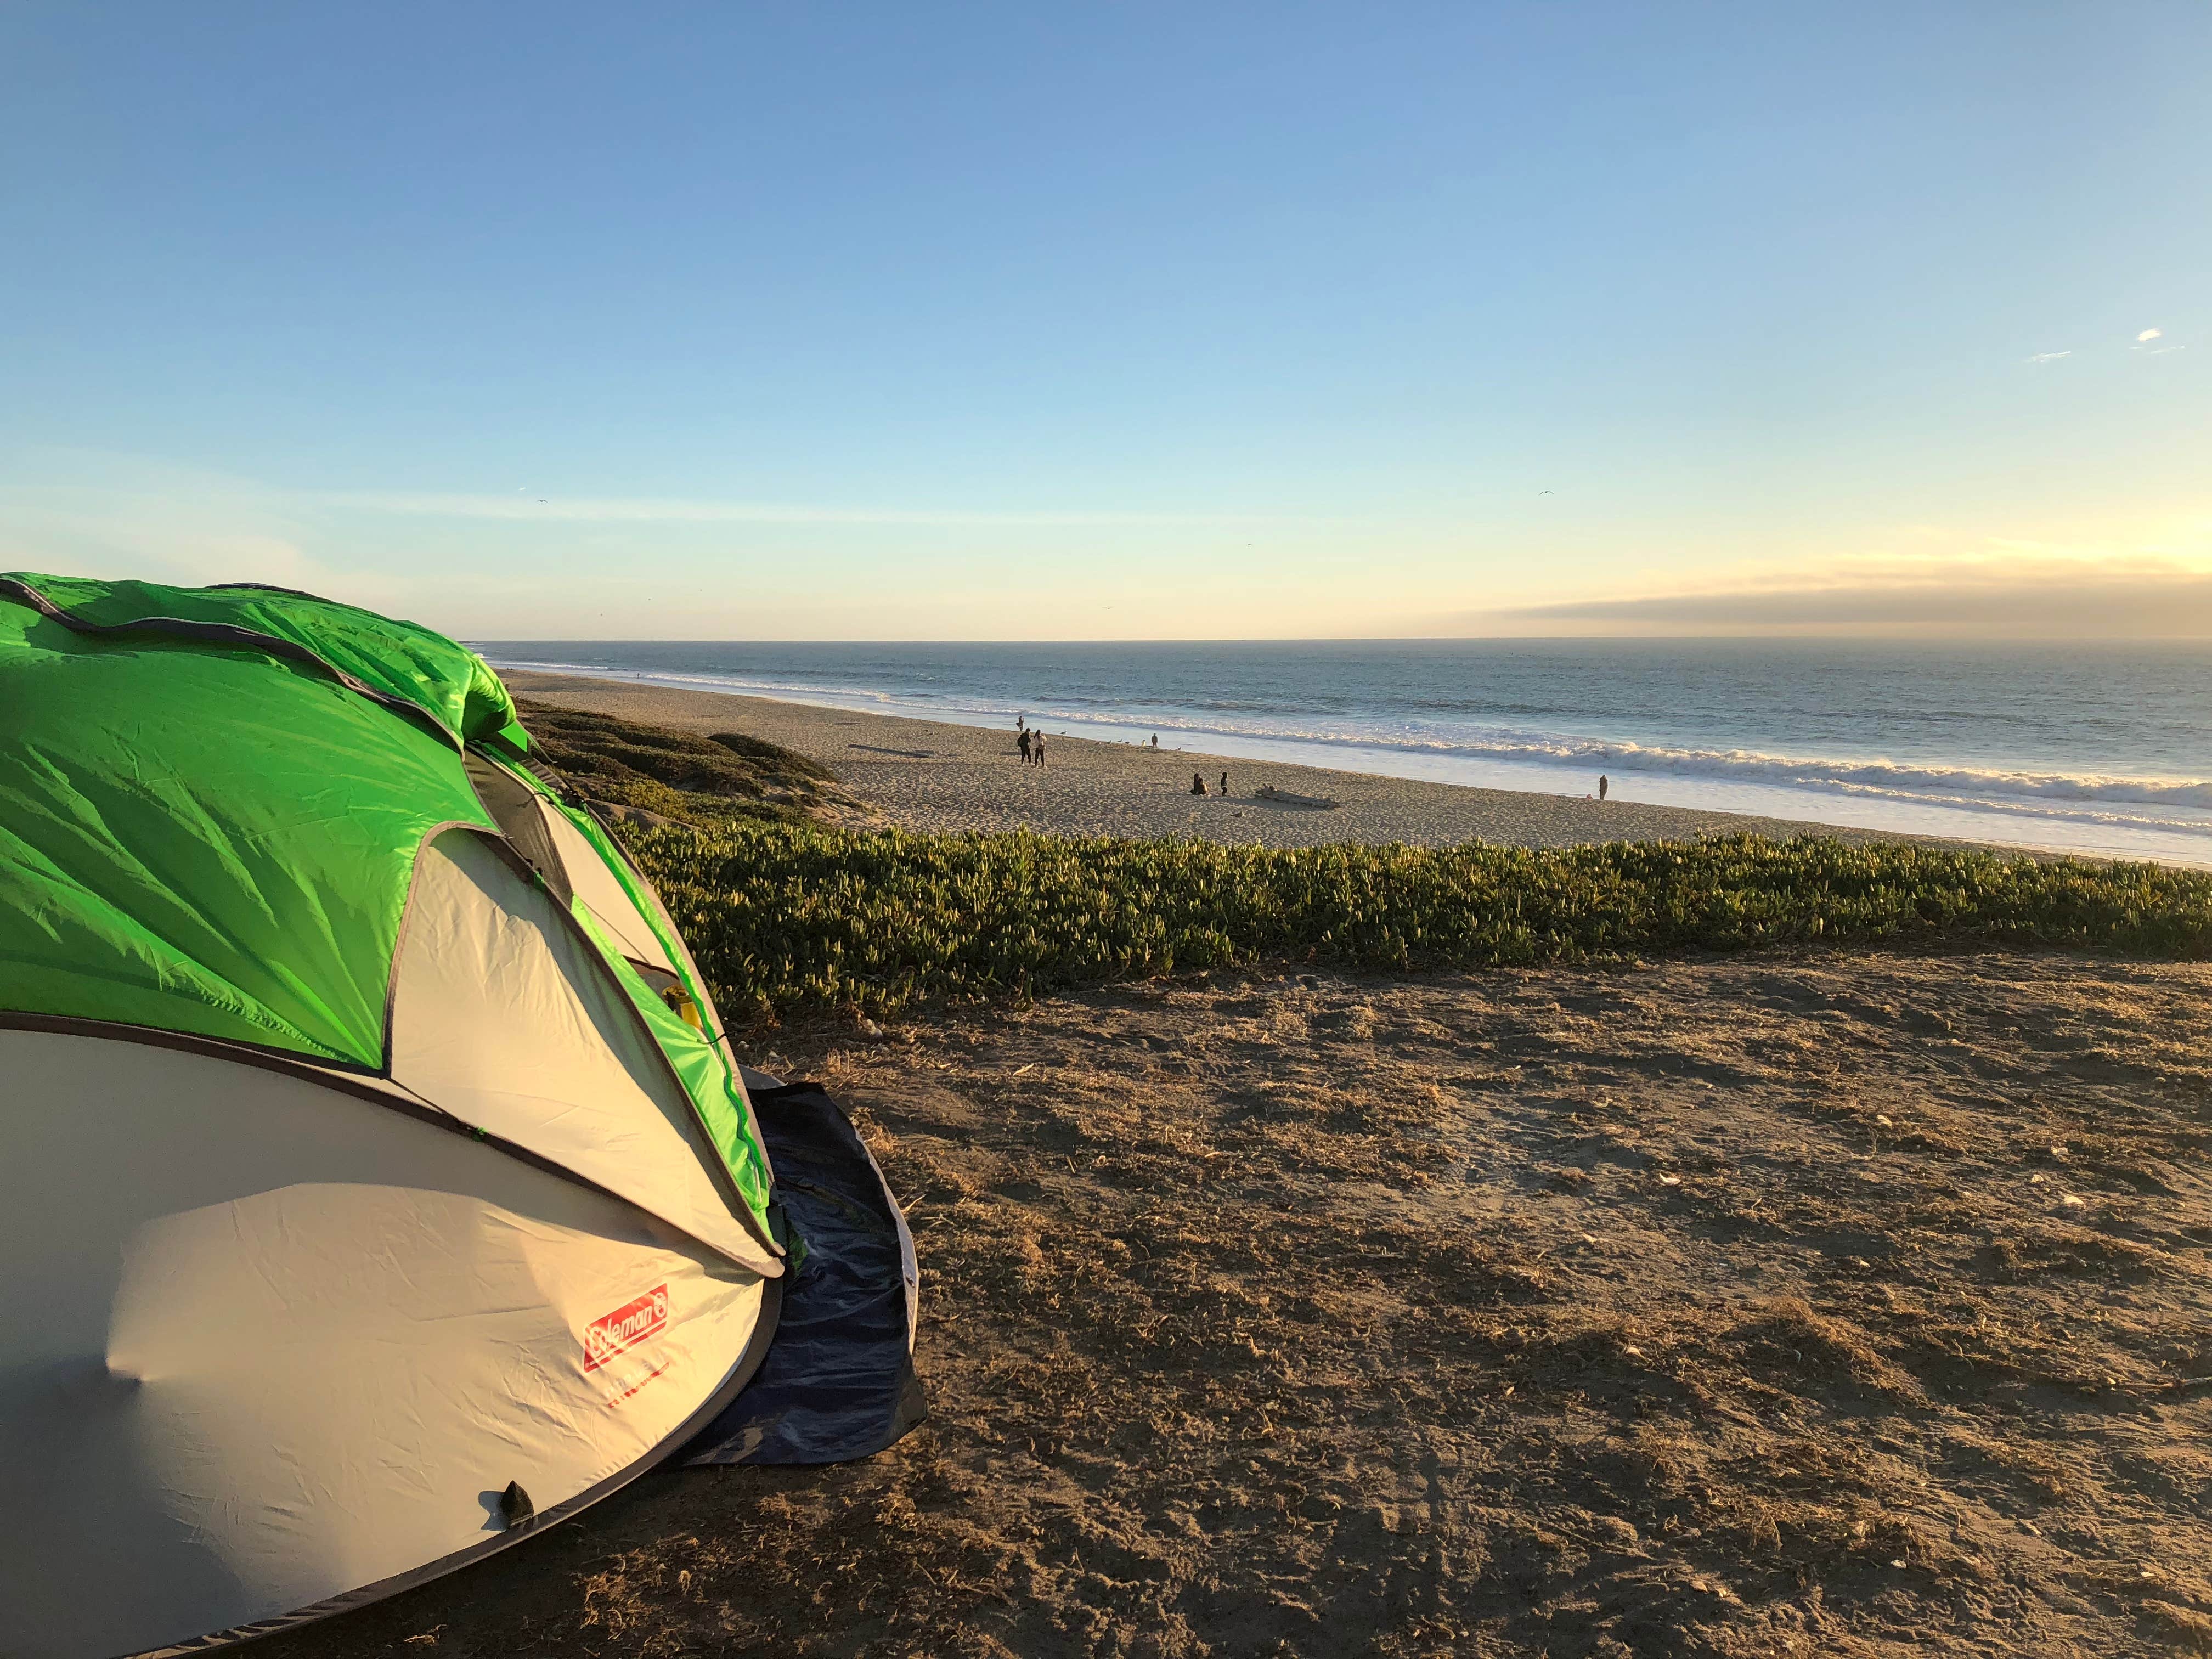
column 1875, row 775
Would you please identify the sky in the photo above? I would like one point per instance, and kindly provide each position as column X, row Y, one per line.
column 1131, row 321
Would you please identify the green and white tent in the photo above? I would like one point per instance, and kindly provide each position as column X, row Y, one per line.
column 375, row 1183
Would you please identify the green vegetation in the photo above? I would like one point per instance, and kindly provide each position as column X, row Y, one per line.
column 674, row 774
column 786, row 916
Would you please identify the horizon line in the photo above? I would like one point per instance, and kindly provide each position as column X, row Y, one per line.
column 1799, row 638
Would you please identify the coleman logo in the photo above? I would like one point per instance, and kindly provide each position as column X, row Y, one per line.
column 625, row 1328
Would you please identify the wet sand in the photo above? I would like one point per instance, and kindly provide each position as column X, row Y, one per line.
column 926, row 774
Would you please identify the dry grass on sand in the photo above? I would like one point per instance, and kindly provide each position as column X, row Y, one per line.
column 1840, row 1304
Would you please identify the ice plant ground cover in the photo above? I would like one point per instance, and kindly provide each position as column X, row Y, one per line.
column 790, row 916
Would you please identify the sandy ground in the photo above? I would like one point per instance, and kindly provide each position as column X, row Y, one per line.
column 928, row 775
column 1831, row 1304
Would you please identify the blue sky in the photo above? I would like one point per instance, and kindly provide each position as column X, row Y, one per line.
column 992, row 322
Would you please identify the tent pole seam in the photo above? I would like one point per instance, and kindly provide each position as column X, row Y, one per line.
column 699, row 982
column 407, row 1102
column 717, row 1172
column 524, row 867
column 225, row 633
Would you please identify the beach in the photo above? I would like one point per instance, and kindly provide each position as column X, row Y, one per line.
column 1846, row 1303
column 1793, row 1301
column 2094, row 751
column 1354, row 833
column 935, row 775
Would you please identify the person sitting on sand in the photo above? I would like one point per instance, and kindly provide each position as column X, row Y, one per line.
column 1023, row 745
column 1197, row 783
column 1037, row 746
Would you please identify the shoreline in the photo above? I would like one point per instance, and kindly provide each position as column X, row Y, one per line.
column 942, row 776
column 1849, row 813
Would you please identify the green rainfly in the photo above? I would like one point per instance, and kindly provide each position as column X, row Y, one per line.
column 391, row 660
column 203, row 838
column 211, row 802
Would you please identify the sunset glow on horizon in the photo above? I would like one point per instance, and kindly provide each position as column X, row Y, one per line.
column 1247, row 324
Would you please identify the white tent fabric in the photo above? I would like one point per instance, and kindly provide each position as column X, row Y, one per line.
column 621, row 916
column 597, row 887
column 284, row 1342
column 503, row 1016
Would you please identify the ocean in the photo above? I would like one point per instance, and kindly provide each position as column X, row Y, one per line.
column 2095, row 749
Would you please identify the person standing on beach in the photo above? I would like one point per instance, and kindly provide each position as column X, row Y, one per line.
column 1037, row 746
column 1225, row 783
column 1023, row 745
column 1604, row 783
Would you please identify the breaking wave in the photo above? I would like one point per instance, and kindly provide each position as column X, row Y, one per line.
column 1367, row 742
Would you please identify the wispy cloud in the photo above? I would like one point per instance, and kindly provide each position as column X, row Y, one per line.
column 2049, row 356
column 667, row 510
